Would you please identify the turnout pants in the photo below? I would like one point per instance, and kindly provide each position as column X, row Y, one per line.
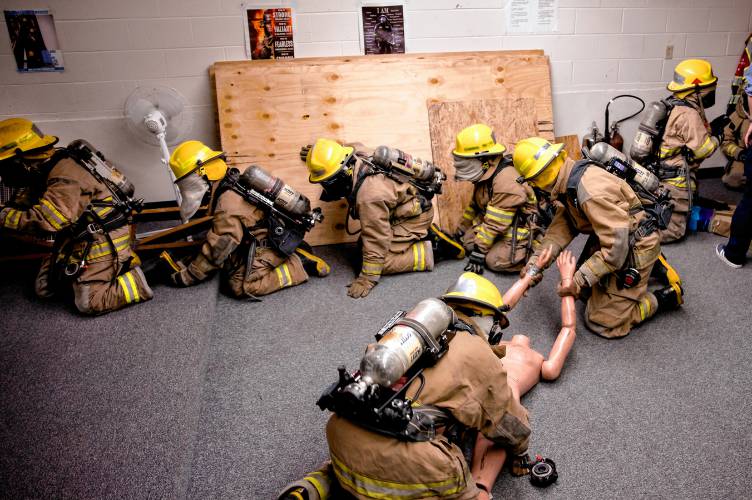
column 271, row 271
column 98, row 289
column 500, row 257
column 612, row 312
column 407, row 253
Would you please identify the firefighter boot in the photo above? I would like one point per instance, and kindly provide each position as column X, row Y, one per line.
column 444, row 247
column 318, row 485
column 312, row 264
column 670, row 297
column 664, row 272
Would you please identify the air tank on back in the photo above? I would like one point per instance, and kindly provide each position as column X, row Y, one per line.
column 285, row 198
column 607, row 154
column 401, row 346
column 394, row 158
column 648, row 131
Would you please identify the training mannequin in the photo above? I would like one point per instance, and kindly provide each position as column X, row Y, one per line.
column 477, row 302
column 525, row 367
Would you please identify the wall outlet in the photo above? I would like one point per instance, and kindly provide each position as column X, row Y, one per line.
column 669, row 51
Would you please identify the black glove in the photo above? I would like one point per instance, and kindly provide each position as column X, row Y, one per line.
column 718, row 124
column 476, row 261
column 745, row 155
column 458, row 236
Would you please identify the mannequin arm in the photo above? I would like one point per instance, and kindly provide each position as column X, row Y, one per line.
column 513, row 295
column 552, row 366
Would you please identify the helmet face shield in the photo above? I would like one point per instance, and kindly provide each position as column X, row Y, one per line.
column 192, row 190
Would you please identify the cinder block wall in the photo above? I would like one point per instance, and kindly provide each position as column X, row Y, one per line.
column 602, row 48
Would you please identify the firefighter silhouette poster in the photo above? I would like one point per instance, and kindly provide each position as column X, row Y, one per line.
column 383, row 29
column 270, row 33
column 33, row 40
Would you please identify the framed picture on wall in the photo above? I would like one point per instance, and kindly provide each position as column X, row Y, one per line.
column 269, row 33
column 33, row 40
column 382, row 27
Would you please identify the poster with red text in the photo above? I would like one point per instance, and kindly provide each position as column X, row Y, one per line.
column 270, row 33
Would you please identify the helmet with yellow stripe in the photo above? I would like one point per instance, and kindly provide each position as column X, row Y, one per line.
column 538, row 161
column 19, row 136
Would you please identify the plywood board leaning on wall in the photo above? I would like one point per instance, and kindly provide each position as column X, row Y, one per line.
column 269, row 109
column 510, row 119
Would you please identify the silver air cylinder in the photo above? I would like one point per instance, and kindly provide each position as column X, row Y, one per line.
column 642, row 144
column 103, row 167
column 284, row 197
column 416, row 168
column 605, row 153
column 389, row 359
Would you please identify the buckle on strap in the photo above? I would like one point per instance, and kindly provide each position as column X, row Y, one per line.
column 93, row 228
column 645, row 228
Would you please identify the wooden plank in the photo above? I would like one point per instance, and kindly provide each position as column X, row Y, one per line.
column 269, row 109
column 572, row 146
column 511, row 121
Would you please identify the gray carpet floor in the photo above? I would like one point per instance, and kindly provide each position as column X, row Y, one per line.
column 196, row 395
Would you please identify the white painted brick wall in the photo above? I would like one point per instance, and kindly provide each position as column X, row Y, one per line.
column 602, row 48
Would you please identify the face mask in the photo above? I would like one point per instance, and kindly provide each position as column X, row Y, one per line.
column 468, row 169
column 192, row 190
column 708, row 100
column 337, row 187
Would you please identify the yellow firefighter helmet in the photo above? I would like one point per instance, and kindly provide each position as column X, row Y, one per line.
column 326, row 158
column 690, row 75
column 533, row 155
column 21, row 134
column 477, row 293
column 477, row 140
column 192, row 156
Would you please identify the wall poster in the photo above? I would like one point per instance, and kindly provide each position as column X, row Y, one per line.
column 532, row 16
column 270, row 33
column 382, row 28
column 33, row 40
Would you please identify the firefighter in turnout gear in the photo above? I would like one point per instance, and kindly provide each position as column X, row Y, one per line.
column 733, row 146
column 504, row 220
column 390, row 193
column 243, row 241
column 625, row 246
column 678, row 138
column 76, row 195
column 475, row 365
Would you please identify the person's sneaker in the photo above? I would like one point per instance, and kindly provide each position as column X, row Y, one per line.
column 312, row 264
column 720, row 251
column 444, row 247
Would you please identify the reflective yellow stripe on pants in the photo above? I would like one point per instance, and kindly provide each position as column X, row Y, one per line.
column 283, row 275
column 374, row 488
column 128, row 284
column 644, row 308
column 12, row 219
column 419, row 256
